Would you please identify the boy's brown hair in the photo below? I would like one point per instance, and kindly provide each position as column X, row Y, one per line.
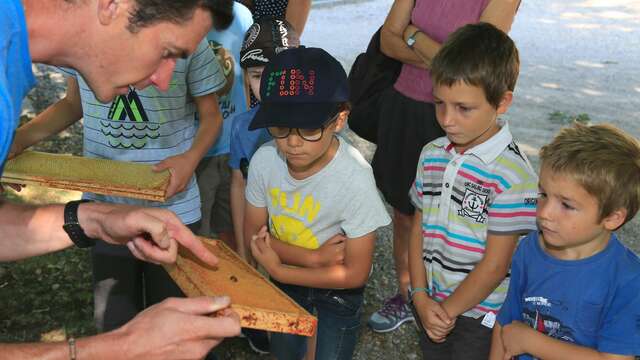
column 603, row 159
column 479, row 55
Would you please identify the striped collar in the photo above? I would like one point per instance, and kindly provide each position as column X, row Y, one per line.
column 489, row 150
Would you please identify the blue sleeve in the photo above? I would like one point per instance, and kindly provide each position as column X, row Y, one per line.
column 620, row 331
column 7, row 121
column 512, row 307
column 235, row 152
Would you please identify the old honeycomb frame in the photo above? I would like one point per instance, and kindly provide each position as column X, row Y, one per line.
column 259, row 303
column 100, row 176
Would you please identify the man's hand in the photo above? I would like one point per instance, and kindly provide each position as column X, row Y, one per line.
column 434, row 318
column 331, row 252
column 151, row 234
column 181, row 167
column 177, row 329
column 263, row 253
column 512, row 336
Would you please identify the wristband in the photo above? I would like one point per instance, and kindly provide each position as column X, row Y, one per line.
column 412, row 291
column 72, row 226
column 411, row 40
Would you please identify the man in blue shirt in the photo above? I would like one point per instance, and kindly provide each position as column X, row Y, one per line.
column 91, row 36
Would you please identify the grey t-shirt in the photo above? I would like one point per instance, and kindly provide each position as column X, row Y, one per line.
column 341, row 197
column 148, row 126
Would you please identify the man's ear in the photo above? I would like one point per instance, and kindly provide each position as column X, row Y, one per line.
column 341, row 121
column 108, row 10
column 505, row 102
column 614, row 220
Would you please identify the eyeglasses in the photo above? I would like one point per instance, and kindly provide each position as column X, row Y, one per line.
column 311, row 135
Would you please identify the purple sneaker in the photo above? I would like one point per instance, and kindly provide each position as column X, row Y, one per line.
column 394, row 312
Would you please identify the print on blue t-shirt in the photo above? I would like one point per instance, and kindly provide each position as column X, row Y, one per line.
column 592, row 302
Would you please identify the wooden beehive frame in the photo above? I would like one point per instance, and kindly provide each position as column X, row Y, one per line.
column 100, row 176
column 260, row 304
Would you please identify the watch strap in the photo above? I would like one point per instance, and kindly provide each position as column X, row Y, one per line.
column 72, row 226
column 411, row 40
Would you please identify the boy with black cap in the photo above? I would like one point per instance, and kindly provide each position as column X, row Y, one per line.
column 304, row 187
column 262, row 41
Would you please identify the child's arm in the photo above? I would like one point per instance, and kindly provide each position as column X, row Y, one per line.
column 497, row 348
column 54, row 119
column 485, row 276
column 183, row 166
column 237, row 209
column 431, row 314
column 330, row 253
column 519, row 338
column 353, row 273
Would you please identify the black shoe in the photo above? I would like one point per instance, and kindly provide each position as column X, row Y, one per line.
column 258, row 340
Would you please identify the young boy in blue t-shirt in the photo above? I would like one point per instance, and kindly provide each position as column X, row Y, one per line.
column 575, row 288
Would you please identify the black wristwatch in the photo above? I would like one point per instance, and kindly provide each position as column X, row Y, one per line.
column 72, row 226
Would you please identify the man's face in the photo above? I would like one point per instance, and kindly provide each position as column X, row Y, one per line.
column 147, row 57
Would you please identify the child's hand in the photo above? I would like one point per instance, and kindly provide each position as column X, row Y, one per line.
column 512, row 336
column 331, row 252
column 434, row 318
column 181, row 167
column 16, row 149
column 263, row 253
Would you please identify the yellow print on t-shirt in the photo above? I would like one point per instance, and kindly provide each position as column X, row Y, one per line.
column 286, row 226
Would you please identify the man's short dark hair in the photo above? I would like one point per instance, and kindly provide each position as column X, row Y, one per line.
column 149, row 12
column 480, row 55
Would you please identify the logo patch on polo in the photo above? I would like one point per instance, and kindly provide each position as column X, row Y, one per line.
column 473, row 205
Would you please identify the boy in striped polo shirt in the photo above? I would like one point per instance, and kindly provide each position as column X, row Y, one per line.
column 475, row 192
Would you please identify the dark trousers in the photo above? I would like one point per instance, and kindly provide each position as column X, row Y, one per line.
column 123, row 285
column 339, row 313
column 469, row 340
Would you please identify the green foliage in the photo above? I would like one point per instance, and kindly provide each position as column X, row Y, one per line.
column 564, row 118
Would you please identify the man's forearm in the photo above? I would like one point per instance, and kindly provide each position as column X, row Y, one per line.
column 27, row 231
column 99, row 347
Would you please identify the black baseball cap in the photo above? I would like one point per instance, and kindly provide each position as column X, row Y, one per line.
column 301, row 88
column 264, row 39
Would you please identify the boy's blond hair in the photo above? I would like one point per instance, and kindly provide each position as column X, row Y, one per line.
column 479, row 55
column 603, row 159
